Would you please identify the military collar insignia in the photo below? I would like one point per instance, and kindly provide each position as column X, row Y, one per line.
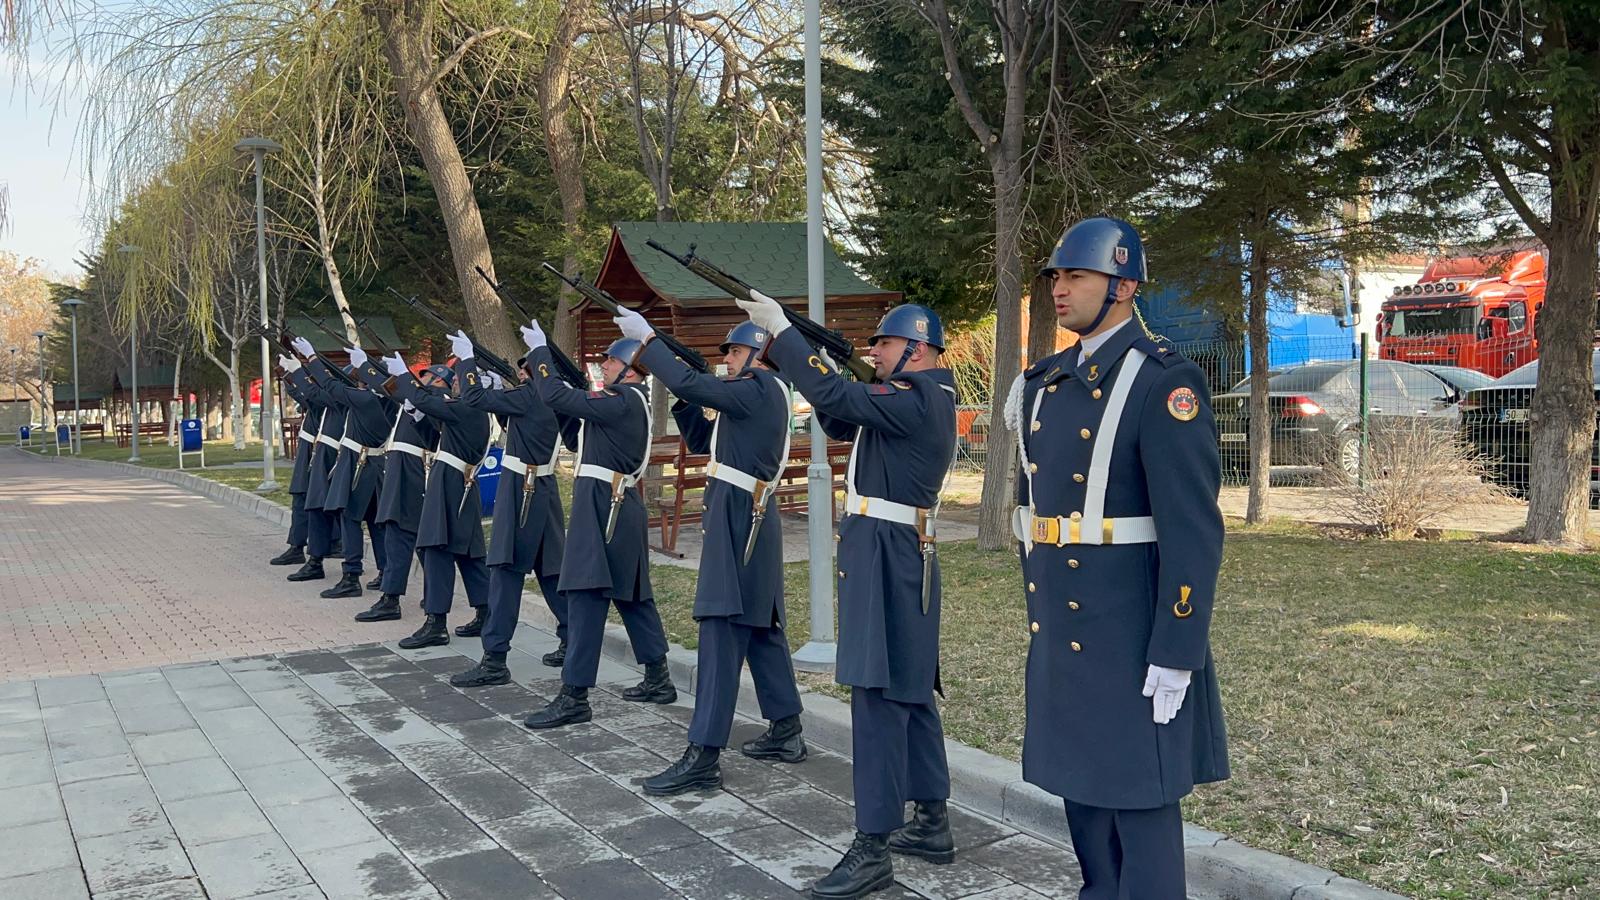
column 1096, row 368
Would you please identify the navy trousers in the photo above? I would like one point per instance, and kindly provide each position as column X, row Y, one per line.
column 899, row 756
column 297, row 520
column 1128, row 854
column 505, row 607
column 439, row 580
column 350, row 535
column 321, row 526
column 724, row 647
column 398, row 547
column 586, row 631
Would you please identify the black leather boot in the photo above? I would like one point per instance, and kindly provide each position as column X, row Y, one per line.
column 348, row 586
column 865, row 868
column 480, row 614
column 781, row 741
column 656, row 686
column 431, row 634
column 927, row 834
column 293, row 556
column 386, row 609
column 311, row 571
column 570, row 707
column 555, row 658
column 376, row 582
column 489, row 670
column 698, row 769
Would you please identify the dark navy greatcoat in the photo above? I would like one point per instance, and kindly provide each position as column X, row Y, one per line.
column 368, row 418
column 330, row 426
column 296, row 383
column 404, row 476
column 1100, row 614
column 463, row 431
column 532, row 428
column 905, row 435
column 616, row 435
column 754, row 411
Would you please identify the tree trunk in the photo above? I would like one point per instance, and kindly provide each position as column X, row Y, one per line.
column 175, row 408
column 1041, row 322
column 998, row 496
column 408, row 45
column 566, row 161
column 1260, row 452
column 325, row 241
column 1562, row 417
column 236, row 391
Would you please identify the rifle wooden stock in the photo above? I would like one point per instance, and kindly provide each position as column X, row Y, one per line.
column 610, row 304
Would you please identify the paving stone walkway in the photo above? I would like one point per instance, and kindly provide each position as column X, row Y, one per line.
column 361, row 773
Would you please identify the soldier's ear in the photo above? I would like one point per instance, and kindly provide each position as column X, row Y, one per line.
column 1126, row 288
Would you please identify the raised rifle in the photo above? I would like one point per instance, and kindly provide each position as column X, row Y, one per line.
column 610, row 304
column 566, row 369
column 831, row 342
column 284, row 339
column 488, row 358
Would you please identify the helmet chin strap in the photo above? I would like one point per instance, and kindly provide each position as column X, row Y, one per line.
column 1111, row 300
column 905, row 357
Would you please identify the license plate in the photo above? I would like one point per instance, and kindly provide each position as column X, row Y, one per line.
column 1233, row 437
column 1513, row 415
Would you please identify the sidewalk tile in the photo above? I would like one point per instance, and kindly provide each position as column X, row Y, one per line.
column 486, row 874
column 112, row 805
column 217, row 817
column 20, row 769
column 607, row 880
column 56, row 884
column 172, row 746
column 783, row 853
column 155, row 718
column 30, row 803
column 321, row 824
column 706, row 870
column 133, row 858
column 1048, row 869
column 69, row 690
column 93, row 714
column 191, row 778
column 246, row 866
column 370, row 871
column 432, row 832
column 291, row 782
column 26, row 849
column 545, row 840
column 252, row 751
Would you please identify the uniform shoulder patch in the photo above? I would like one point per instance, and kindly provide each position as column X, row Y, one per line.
column 881, row 389
column 1183, row 404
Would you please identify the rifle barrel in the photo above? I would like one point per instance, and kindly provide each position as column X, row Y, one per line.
column 612, row 305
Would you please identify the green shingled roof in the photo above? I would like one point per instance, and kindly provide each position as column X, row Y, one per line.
column 380, row 326
column 771, row 256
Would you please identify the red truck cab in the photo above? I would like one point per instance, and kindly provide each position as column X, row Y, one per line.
column 1476, row 312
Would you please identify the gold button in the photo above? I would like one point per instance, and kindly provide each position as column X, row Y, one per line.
column 1077, row 647
column 1095, row 393
column 1072, row 604
column 1034, row 628
column 1052, row 388
column 1076, row 515
column 841, row 573
column 1078, row 477
column 1084, row 434
column 1033, row 467
column 1035, row 426
column 1072, row 564
column 1031, row 586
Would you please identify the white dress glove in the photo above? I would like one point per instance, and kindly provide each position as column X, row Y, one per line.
column 303, row 347
column 1166, row 688
column 496, row 383
column 766, row 312
column 358, row 356
column 394, row 365
column 533, row 336
column 460, row 345
column 632, row 325
column 289, row 363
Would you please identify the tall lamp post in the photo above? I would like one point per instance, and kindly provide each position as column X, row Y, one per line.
column 259, row 147
column 72, row 304
column 16, row 390
column 133, row 357
column 39, row 336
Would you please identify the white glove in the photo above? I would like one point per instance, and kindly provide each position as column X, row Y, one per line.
column 632, row 325
column 766, row 312
column 405, row 406
column 303, row 347
column 289, row 363
column 496, row 383
column 1167, row 688
column 395, row 365
column 460, row 345
column 533, row 336
column 358, row 356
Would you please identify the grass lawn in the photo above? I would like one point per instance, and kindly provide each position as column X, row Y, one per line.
column 218, row 453
column 1421, row 716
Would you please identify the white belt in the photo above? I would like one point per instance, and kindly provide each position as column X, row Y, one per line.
column 324, row 439
column 887, row 510
column 404, row 447
column 1059, row 531
column 306, row 435
column 515, row 464
column 601, row 473
column 742, row 480
column 360, row 449
column 451, row 460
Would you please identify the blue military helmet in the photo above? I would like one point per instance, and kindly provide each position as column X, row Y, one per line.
column 747, row 334
column 1101, row 244
column 912, row 322
column 443, row 373
column 626, row 350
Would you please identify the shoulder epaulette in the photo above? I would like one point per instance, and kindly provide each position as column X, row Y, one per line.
column 1160, row 352
column 1043, row 365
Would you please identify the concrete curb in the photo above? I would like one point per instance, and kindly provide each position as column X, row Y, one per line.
column 244, row 501
column 1218, row 868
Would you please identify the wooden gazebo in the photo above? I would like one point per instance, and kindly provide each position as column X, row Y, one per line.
column 771, row 256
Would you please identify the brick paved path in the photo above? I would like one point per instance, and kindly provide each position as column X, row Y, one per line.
column 101, row 571
column 361, row 773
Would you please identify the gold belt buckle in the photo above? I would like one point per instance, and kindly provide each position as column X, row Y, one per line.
column 1047, row 531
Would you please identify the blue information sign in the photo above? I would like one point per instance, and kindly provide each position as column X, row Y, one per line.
column 25, row 433
column 193, row 435
column 489, row 479
column 63, row 435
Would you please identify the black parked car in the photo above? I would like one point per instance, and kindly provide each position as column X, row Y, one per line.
column 1494, row 420
column 1314, row 411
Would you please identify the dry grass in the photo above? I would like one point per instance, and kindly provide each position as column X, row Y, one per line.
column 1424, row 716
column 1414, row 472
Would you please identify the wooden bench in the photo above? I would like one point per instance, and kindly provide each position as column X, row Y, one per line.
column 148, row 430
column 684, row 476
column 291, row 435
column 98, row 429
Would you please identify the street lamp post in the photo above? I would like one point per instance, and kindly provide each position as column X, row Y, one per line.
column 133, row 356
column 259, row 147
column 39, row 335
column 72, row 304
column 16, row 389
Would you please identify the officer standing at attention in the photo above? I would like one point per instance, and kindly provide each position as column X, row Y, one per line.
column 1122, row 540
column 322, row 526
column 357, row 473
column 528, row 527
column 904, row 430
column 607, row 559
column 450, row 533
column 405, row 478
column 738, row 601
column 295, row 381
